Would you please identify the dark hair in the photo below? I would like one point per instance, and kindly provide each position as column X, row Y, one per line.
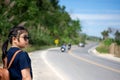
column 16, row 31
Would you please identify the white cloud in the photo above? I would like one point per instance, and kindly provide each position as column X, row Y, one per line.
column 96, row 16
column 98, row 19
column 100, row 23
column 94, row 24
column 102, row 11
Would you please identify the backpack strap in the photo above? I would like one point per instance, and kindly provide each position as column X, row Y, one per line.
column 13, row 58
column 5, row 62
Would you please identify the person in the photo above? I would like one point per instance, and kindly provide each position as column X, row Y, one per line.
column 63, row 47
column 69, row 46
column 21, row 67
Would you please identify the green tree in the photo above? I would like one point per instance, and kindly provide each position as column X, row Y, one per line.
column 105, row 34
column 117, row 37
column 45, row 19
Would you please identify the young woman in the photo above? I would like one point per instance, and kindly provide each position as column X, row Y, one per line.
column 21, row 66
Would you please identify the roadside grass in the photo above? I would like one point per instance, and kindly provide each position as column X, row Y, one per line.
column 102, row 49
column 104, row 46
column 31, row 48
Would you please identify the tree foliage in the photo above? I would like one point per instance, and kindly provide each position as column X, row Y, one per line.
column 105, row 34
column 115, row 33
column 45, row 19
column 117, row 37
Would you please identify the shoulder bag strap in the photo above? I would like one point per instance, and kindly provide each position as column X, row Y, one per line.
column 13, row 58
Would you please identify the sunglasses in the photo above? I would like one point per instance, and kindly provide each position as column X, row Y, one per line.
column 26, row 38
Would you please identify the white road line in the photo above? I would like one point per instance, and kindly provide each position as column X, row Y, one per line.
column 43, row 54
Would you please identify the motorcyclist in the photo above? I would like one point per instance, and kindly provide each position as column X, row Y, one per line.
column 69, row 46
column 63, row 47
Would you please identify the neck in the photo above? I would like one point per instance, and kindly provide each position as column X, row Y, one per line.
column 14, row 46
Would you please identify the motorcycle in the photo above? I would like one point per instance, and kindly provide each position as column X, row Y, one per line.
column 63, row 48
column 69, row 46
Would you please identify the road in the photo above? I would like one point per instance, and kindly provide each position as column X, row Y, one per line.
column 77, row 64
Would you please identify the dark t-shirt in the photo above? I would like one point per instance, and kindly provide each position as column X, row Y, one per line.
column 20, row 62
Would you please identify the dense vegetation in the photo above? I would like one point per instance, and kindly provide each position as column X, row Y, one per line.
column 45, row 19
column 115, row 35
column 105, row 46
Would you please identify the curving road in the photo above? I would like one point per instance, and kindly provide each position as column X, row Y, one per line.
column 77, row 64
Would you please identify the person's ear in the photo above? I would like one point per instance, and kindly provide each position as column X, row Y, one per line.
column 14, row 39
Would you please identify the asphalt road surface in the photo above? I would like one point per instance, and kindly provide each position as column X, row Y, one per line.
column 77, row 64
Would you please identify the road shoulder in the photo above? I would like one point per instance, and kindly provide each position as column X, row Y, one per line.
column 107, row 56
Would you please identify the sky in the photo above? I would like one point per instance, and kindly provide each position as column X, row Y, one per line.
column 95, row 15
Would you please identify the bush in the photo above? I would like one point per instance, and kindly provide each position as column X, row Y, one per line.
column 118, row 42
column 104, row 46
column 103, row 49
column 108, row 42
